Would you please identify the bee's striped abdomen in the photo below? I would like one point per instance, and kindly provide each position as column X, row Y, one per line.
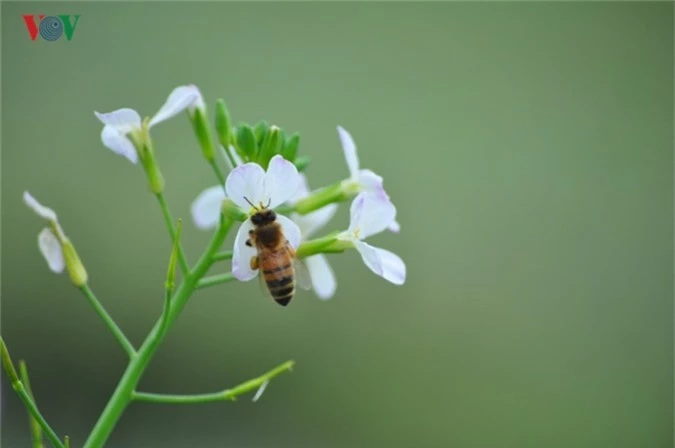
column 280, row 283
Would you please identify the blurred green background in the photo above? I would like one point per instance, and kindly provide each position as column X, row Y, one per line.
column 527, row 148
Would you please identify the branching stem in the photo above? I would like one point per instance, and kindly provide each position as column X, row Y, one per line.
column 109, row 322
column 172, row 231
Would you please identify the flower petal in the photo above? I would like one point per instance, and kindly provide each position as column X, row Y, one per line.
column 180, row 98
column 310, row 223
column 124, row 119
column 393, row 267
column 42, row 211
column 246, row 181
column 51, row 249
column 371, row 182
column 382, row 262
column 394, row 227
column 291, row 231
column 349, row 148
column 371, row 214
column 323, row 278
column 205, row 208
column 282, row 181
column 260, row 391
column 241, row 256
column 116, row 141
column 302, row 191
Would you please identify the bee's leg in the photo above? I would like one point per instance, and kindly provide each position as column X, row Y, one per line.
column 254, row 263
column 248, row 243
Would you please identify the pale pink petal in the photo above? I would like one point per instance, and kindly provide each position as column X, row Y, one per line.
column 51, row 249
column 349, row 148
column 42, row 211
column 179, row 99
column 394, row 227
column 393, row 268
column 246, row 182
column 282, row 181
column 370, row 256
column 116, row 141
column 323, row 278
column 371, row 182
column 205, row 208
column 241, row 256
column 371, row 214
column 291, row 231
column 302, row 191
column 124, row 119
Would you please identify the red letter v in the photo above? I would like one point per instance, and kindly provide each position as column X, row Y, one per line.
column 31, row 26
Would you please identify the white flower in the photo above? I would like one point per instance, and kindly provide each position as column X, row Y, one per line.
column 119, row 123
column 48, row 242
column 371, row 214
column 322, row 276
column 365, row 180
column 249, row 186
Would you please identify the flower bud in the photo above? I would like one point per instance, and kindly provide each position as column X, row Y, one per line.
column 301, row 163
column 290, row 147
column 270, row 146
column 7, row 364
column 260, row 131
column 201, row 128
column 173, row 259
column 76, row 270
column 223, row 124
column 230, row 210
column 246, row 142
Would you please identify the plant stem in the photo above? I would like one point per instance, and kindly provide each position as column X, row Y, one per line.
column 110, row 323
column 224, row 255
column 172, row 230
column 35, row 429
column 214, row 280
column 227, row 394
column 25, row 397
column 219, row 173
column 132, row 375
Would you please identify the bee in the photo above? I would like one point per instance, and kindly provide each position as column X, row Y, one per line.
column 279, row 268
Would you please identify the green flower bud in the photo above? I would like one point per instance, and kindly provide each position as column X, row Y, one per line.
column 270, row 146
column 260, row 131
column 290, row 148
column 173, row 259
column 201, row 128
column 223, row 124
column 246, row 142
column 8, row 365
column 76, row 270
column 230, row 210
column 301, row 163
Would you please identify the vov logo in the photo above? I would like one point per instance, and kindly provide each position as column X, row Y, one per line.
column 51, row 28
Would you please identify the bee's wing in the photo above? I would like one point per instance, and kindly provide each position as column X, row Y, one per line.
column 302, row 277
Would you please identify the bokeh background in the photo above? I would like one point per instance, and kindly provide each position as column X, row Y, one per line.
column 527, row 147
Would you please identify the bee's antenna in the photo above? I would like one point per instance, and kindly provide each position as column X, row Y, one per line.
column 269, row 202
column 246, row 199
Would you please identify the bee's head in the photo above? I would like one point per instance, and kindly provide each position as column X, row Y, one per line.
column 263, row 217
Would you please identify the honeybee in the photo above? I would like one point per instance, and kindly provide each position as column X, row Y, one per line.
column 279, row 268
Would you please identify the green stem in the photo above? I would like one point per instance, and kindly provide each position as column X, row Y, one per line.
column 35, row 429
column 172, row 230
column 227, row 394
column 110, row 323
column 219, row 173
column 123, row 393
column 25, row 397
column 214, row 280
column 224, row 255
